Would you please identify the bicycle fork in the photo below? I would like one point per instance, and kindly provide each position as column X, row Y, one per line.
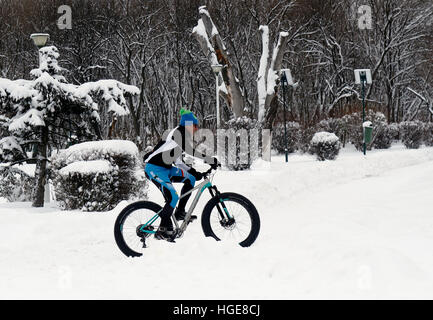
column 224, row 213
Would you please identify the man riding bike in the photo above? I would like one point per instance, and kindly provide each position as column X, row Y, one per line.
column 164, row 165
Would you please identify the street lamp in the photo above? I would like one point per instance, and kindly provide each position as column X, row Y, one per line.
column 216, row 68
column 286, row 80
column 363, row 77
column 40, row 39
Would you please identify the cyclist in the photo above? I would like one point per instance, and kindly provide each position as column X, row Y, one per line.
column 164, row 165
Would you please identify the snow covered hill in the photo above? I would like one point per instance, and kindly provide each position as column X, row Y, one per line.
column 357, row 227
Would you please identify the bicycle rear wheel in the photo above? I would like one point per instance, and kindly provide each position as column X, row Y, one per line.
column 129, row 226
column 231, row 217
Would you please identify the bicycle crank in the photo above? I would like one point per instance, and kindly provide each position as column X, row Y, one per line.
column 142, row 234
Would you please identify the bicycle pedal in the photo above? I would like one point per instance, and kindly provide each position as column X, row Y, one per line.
column 143, row 240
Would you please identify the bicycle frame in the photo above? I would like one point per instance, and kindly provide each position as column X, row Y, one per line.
column 180, row 230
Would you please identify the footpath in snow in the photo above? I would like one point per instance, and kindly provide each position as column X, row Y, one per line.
column 357, row 227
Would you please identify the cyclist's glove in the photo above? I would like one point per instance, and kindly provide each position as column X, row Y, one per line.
column 215, row 163
column 197, row 175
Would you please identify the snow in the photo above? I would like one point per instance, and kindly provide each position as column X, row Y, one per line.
column 16, row 89
column 272, row 73
column 32, row 117
column 261, row 77
column 28, row 169
column 31, row 103
column 48, row 63
column 9, row 143
column 87, row 167
column 324, row 137
column 109, row 146
column 359, row 227
column 214, row 32
column 200, row 30
column 90, row 150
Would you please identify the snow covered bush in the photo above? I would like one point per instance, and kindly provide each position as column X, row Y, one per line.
column 384, row 136
column 325, row 146
column 87, row 185
column 428, row 134
column 353, row 127
column 412, row 133
column 333, row 125
column 293, row 137
column 96, row 176
column 305, row 139
column 394, row 131
column 239, row 142
column 15, row 184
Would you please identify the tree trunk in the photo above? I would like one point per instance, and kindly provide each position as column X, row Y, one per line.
column 41, row 170
column 273, row 81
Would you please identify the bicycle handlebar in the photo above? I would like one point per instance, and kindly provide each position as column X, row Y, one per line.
column 206, row 173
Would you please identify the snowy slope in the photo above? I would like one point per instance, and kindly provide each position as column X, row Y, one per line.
column 351, row 228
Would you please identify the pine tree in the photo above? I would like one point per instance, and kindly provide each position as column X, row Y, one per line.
column 48, row 112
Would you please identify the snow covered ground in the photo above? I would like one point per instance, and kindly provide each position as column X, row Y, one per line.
column 358, row 227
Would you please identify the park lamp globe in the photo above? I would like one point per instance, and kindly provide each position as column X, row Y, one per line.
column 40, row 39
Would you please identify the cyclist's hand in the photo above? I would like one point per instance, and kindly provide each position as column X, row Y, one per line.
column 215, row 163
column 197, row 175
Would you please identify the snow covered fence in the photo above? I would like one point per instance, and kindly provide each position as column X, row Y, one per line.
column 96, row 176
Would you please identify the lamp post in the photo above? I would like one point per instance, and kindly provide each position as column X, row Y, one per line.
column 40, row 40
column 286, row 80
column 363, row 77
column 216, row 68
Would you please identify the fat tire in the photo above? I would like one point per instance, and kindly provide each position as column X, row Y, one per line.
column 247, row 204
column 121, row 219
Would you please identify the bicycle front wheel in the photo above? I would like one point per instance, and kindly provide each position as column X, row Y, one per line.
column 231, row 217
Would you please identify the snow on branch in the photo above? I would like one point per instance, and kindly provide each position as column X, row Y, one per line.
column 15, row 90
column 111, row 91
column 200, row 33
column 32, row 117
column 277, row 59
column 263, row 67
column 48, row 63
column 216, row 52
column 49, row 95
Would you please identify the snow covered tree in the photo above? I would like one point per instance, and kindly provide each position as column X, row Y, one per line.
column 231, row 90
column 53, row 113
column 396, row 48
